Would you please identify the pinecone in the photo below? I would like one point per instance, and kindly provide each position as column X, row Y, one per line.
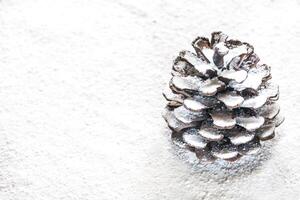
column 221, row 103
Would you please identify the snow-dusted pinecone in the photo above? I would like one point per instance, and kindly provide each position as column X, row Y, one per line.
column 221, row 102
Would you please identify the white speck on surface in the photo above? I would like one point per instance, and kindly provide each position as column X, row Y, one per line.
column 81, row 103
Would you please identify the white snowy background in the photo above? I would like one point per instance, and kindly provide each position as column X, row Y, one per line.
column 80, row 99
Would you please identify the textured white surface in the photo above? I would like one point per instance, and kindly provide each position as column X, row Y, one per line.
column 80, row 99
